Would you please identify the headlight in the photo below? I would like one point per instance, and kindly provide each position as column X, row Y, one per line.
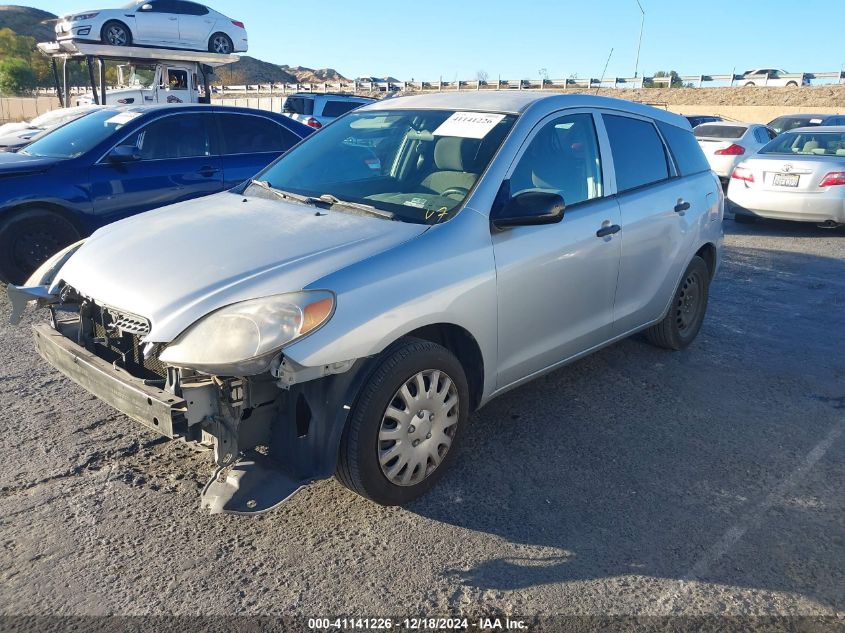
column 242, row 339
column 83, row 16
column 46, row 272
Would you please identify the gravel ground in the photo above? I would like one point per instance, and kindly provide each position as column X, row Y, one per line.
column 636, row 481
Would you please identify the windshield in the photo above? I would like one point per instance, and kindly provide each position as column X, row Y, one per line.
column 786, row 123
column 418, row 164
column 81, row 135
column 132, row 76
column 808, row 143
column 719, row 131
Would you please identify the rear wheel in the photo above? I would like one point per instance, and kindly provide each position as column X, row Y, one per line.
column 116, row 33
column 749, row 84
column 220, row 43
column 792, row 84
column 404, row 429
column 28, row 239
column 682, row 323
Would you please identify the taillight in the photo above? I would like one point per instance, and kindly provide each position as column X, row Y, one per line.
column 744, row 174
column 238, row 24
column 312, row 122
column 732, row 150
column 833, row 178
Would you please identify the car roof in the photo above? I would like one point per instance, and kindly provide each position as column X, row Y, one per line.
column 815, row 129
column 730, row 124
column 805, row 116
column 517, row 102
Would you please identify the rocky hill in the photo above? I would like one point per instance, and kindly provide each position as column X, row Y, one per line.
column 28, row 21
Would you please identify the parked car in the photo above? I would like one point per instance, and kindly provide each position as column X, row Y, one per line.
column 351, row 305
column 116, row 162
column 792, row 121
column 798, row 176
column 160, row 23
column 726, row 144
column 15, row 136
column 698, row 119
column 773, row 77
column 317, row 110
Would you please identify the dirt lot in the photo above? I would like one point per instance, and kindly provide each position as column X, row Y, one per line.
column 636, row 481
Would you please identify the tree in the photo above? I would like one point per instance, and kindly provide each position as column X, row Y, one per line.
column 16, row 76
column 481, row 76
column 675, row 80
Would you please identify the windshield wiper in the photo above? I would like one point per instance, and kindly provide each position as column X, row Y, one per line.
column 334, row 201
column 279, row 193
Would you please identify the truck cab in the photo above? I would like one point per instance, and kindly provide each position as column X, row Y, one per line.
column 153, row 83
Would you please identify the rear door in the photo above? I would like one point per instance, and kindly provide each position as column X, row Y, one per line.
column 179, row 160
column 195, row 24
column 250, row 142
column 660, row 209
column 158, row 24
column 556, row 283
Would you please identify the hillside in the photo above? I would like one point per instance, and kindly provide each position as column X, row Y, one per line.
column 27, row 21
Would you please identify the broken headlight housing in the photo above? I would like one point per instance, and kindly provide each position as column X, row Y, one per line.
column 242, row 339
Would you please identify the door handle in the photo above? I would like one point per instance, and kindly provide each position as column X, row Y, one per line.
column 172, row 19
column 208, row 172
column 608, row 230
column 682, row 206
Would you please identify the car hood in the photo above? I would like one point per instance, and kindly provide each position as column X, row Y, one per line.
column 12, row 164
column 176, row 264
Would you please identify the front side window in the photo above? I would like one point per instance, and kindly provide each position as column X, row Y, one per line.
column 562, row 158
column 638, row 152
column 81, row 135
column 248, row 134
column 177, row 79
column 171, row 137
column 418, row 164
column 807, row 143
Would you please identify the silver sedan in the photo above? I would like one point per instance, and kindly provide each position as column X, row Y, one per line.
column 798, row 176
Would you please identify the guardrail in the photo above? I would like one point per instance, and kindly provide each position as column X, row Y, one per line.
column 695, row 81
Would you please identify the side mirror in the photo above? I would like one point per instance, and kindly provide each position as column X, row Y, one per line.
column 146, row 7
column 124, row 154
column 530, row 208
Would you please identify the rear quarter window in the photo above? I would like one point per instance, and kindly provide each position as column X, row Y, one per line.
column 638, row 153
column 338, row 108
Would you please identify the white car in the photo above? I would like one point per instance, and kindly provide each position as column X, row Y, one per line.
column 726, row 144
column 14, row 136
column 163, row 23
column 773, row 77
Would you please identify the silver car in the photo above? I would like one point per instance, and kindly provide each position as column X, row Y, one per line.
column 799, row 176
column 346, row 310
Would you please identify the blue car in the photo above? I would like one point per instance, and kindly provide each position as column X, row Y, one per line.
column 117, row 162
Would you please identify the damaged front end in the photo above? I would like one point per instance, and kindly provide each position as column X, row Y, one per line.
column 270, row 434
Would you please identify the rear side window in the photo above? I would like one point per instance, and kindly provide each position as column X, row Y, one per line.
column 299, row 105
column 190, row 8
column 174, row 136
column 685, row 149
column 338, row 108
column 638, row 152
column 248, row 134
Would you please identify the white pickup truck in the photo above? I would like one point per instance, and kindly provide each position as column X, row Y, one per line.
column 141, row 83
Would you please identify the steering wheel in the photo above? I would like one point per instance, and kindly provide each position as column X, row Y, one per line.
column 460, row 191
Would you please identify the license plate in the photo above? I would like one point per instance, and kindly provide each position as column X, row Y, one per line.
column 786, row 180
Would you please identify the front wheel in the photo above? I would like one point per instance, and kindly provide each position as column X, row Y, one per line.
column 221, row 44
column 116, row 33
column 404, row 429
column 682, row 323
column 28, row 239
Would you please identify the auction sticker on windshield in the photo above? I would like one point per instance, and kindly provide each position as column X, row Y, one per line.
column 123, row 118
column 468, row 124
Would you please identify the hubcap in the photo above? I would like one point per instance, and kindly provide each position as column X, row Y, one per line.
column 418, row 427
column 221, row 45
column 688, row 303
column 33, row 249
column 116, row 36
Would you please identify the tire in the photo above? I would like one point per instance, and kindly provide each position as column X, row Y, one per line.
column 28, row 239
column 741, row 218
column 116, row 33
column 750, row 84
column 689, row 305
column 370, row 461
column 792, row 84
column 221, row 43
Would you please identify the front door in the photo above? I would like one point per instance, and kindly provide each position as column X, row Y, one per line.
column 156, row 22
column 556, row 283
column 178, row 161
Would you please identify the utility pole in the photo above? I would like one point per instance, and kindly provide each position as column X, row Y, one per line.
column 640, row 41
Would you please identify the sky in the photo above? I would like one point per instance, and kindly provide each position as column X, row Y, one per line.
column 455, row 39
